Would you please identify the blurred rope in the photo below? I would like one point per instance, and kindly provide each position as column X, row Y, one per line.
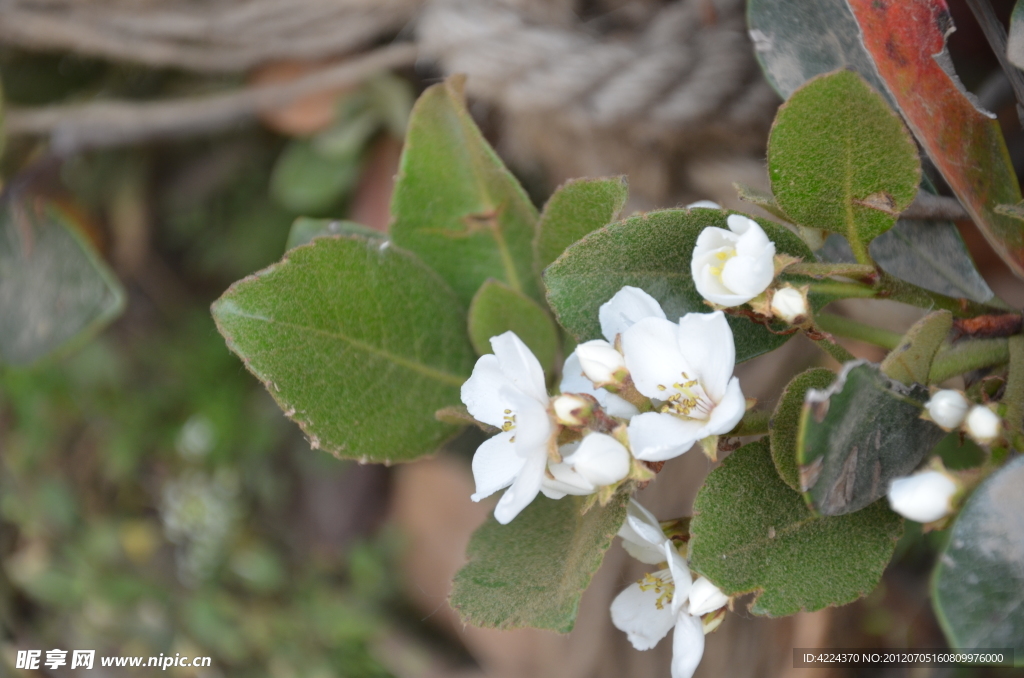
column 224, row 36
column 108, row 123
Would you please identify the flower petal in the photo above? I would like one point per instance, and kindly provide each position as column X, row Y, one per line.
column 706, row 342
column 574, row 381
column 495, row 465
column 728, row 412
column 687, row 646
column 680, row 576
column 481, row 392
column 523, row 490
column 711, row 288
column 618, row 407
column 651, row 348
column 600, row 459
column 533, row 427
column 629, row 306
column 714, row 238
column 748, row 276
column 565, row 481
column 519, row 365
column 635, row 612
column 641, row 535
column 658, row 437
column 705, row 597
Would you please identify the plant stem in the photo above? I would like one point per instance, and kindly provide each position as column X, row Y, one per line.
column 968, row 355
column 834, row 350
column 843, row 290
column 754, row 423
column 889, row 287
column 816, row 270
column 1013, row 397
column 852, row 329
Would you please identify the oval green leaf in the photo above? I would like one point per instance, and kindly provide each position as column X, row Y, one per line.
column 497, row 308
column 857, row 435
column 911, row 361
column 653, row 251
column 350, row 336
column 455, row 203
column 978, row 589
column 533, row 571
column 840, row 159
column 785, row 422
column 576, row 208
column 752, row 533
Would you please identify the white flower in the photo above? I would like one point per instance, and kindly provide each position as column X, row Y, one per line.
column 789, row 304
column 947, row 408
column 599, row 360
column 983, row 425
column 687, row 368
column 924, row 497
column 507, row 390
column 647, row 610
column 732, row 267
column 594, row 462
column 706, row 204
column 601, row 363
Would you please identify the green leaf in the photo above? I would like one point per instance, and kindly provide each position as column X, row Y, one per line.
column 796, row 41
column 911, row 361
column 359, row 343
column 533, row 571
column 306, row 181
column 305, row 229
column 576, row 208
column 762, row 199
column 752, row 533
column 497, row 308
column 785, row 422
column 55, row 290
column 978, row 587
column 857, row 435
column 456, row 205
column 840, row 159
column 653, row 251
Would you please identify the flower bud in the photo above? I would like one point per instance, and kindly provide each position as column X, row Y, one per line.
column 571, row 410
column 600, row 459
column 706, row 204
column 790, row 304
column 947, row 408
column 924, row 497
column 983, row 425
column 601, row 362
column 705, row 597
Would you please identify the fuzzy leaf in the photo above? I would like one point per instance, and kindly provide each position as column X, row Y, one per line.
column 762, row 199
column 752, row 533
column 576, row 208
column 911, row 361
column 796, row 41
column 653, row 251
column 908, row 43
column 785, row 422
column 348, row 334
column 55, row 290
column 305, row 229
column 857, row 435
column 498, row 308
column 840, row 159
column 456, row 205
column 978, row 587
column 533, row 571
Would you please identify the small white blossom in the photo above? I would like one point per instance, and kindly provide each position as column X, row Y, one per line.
column 732, row 267
column 601, row 363
column 594, row 462
column 924, row 497
column 790, row 304
column 507, row 390
column 983, row 425
column 947, row 408
column 664, row 600
column 629, row 306
column 686, row 368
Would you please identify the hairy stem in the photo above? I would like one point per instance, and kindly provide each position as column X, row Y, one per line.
column 852, row 329
column 968, row 355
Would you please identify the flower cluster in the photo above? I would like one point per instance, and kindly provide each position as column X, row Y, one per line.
column 648, row 392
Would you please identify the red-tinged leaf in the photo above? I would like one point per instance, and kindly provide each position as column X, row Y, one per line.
column 907, row 39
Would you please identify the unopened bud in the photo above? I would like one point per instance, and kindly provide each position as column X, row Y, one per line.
column 572, row 410
column 983, row 425
column 601, row 459
column 601, row 362
column 705, row 597
column 789, row 304
column 947, row 408
column 924, row 497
